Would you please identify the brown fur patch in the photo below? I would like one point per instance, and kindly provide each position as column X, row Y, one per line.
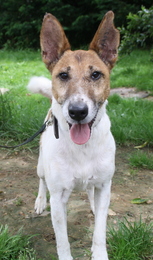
column 81, row 65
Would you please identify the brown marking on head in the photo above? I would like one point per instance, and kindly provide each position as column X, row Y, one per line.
column 80, row 76
column 79, row 65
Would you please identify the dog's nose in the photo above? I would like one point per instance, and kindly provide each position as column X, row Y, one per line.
column 78, row 111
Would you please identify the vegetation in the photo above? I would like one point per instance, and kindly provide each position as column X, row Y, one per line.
column 15, row 247
column 21, row 19
column 21, row 114
column 131, row 120
column 133, row 70
column 139, row 30
column 131, row 241
column 141, row 159
column 126, row 241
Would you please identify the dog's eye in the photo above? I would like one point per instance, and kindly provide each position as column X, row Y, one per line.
column 63, row 76
column 96, row 75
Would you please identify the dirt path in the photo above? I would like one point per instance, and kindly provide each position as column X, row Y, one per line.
column 18, row 189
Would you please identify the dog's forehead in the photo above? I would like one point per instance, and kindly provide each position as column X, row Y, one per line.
column 81, row 60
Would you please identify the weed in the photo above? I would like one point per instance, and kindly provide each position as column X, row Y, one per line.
column 131, row 241
column 48, row 208
column 141, row 159
column 53, row 257
column 18, row 202
column 133, row 172
column 15, row 247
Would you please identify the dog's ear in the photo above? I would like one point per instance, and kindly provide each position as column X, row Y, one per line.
column 53, row 41
column 106, row 40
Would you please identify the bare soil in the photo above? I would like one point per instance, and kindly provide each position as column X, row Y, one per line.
column 18, row 190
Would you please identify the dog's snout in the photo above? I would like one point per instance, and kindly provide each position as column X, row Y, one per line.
column 78, row 111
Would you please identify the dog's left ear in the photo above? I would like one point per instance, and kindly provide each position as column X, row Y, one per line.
column 53, row 41
column 106, row 40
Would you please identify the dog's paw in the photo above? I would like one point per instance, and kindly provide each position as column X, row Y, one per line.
column 40, row 204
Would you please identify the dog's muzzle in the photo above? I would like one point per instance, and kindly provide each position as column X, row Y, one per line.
column 80, row 132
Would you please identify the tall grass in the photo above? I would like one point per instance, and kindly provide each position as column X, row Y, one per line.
column 16, row 247
column 131, row 241
column 21, row 117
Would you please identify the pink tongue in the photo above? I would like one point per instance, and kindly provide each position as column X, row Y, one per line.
column 80, row 133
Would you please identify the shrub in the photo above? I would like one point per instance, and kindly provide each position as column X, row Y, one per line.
column 139, row 30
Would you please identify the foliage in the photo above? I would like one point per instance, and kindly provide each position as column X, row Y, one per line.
column 139, row 30
column 21, row 19
column 130, row 241
column 15, row 247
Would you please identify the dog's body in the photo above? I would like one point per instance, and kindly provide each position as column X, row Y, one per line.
column 77, row 149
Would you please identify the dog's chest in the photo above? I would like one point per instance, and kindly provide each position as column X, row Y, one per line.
column 87, row 167
column 77, row 166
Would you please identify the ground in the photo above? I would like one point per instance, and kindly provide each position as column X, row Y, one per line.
column 18, row 189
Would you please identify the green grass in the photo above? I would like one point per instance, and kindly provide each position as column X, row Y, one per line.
column 126, row 241
column 15, row 247
column 131, row 120
column 141, row 159
column 134, row 70
column 18, row 66
column 130, row 241
column 21, row 115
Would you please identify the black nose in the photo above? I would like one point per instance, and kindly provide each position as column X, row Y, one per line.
column 78, row 111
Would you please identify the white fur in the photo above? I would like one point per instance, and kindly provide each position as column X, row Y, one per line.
column 64, row 166
column 40, row 85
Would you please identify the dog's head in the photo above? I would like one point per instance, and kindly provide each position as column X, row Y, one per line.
column 80, row 79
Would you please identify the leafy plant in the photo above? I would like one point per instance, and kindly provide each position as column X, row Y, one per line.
column 139, row 30
column 21, row 20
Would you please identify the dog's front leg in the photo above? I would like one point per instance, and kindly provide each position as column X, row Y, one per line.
column 58, row 203
column 102, row 200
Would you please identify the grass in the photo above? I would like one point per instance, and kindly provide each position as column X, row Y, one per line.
column 141, row 159
column 131, row 120
column 21, row 115
column 134, row 70
column 126, row 241
column 15, row 247
column 131, row 241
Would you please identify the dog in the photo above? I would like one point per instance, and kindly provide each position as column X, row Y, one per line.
column 77, row 149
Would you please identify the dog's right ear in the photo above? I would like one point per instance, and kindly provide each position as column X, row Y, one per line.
column 53, row 41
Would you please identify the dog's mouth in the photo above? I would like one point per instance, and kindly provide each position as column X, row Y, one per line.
column 80, row 133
